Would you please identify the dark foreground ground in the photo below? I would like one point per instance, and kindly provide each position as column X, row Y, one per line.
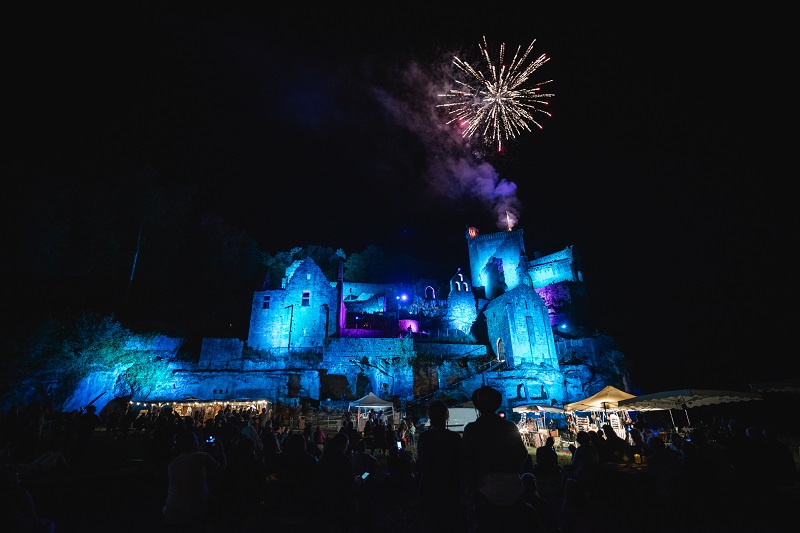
column 115, row 490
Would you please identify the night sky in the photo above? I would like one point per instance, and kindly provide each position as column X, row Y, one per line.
column 665, row 161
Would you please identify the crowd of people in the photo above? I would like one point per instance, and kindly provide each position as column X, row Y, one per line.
column 242, row 470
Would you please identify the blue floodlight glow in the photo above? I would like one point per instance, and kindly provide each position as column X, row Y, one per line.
column 563, row 326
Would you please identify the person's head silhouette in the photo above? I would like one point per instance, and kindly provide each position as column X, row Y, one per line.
column 486, row 399
column 438, row 413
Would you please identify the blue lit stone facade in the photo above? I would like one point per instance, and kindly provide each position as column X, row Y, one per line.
column 300, row 315
column 512, row 323
column 518, row 320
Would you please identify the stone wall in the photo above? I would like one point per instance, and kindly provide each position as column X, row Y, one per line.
column 519, row 318
column 166, row 346
column 385, row 362
column 218, row 351
column 289, row 320
column 553, row 268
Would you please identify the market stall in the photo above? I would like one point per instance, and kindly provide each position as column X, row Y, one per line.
column 206, row 408
column 601, row 408
column 370, row 402
column 533, row 424
column 685, row 399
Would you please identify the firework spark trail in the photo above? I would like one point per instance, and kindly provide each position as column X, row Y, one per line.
column 499, row 107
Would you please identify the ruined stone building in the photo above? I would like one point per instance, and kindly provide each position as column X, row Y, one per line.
column 513, row 322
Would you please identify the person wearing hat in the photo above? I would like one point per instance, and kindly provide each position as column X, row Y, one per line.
column 493, row 457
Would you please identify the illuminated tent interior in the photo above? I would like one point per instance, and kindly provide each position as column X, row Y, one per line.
column 368, row 403
column 189, row 406
column 533, row 423
column 605, row 403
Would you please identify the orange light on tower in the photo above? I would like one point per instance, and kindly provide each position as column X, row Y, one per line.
column 473, row 232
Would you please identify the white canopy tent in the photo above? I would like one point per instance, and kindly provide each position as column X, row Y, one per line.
column 535, row 433
column 685, row 399
column 607, row 399
column 782, row 386
column 604, row 400
column 368, row 403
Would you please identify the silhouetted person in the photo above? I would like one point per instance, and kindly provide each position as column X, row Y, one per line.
column 190, row 502
column 637, row 445
column 736, row 449
column 440, row 502
column 547, row 459
column 298, row 476
column 544, row 517
column 18, row 512
column 271, row 447
column 782, row 469
column 664, row 471
column 401, row 475
column 493, row 457
column 391, row 436
column 337, row 484
column 615, row 448
column 319, row 439
column 581, row 478
column 362, row 460
column 244, row 482
column 379, row 441
column 583, row 467
column 84, row 430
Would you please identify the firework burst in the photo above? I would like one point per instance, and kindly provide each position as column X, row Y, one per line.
column 499, row 106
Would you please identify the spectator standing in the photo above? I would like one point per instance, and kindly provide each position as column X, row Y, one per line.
column 493, row 457
column 272, row 447
column 580, row 480
column 363, row 461
column 368, row 425
column 583, row 467
column 391, row 436
column 17, row 507
column 412, row 431
column 664, row 471
column 319, row 438
column 379, row 441
column 298, row 476
column 86, row 425
column 547, row 459
column 543, row 517
column 189, row 497
column 440, row 495
column 249, row 431
column 402, row 432
column 783, row 470
column 615, row 449
column 401, row 477
column 245, row 484
column 337, row 484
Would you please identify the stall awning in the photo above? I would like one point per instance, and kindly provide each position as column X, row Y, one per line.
column 538, row 409
column 605, row 400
